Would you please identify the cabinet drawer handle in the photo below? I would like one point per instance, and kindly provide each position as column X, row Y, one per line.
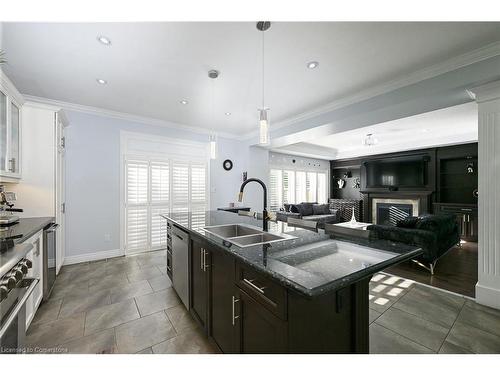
column 233, row 316
column 250, row 283
column 205, row 266
column 202, row 266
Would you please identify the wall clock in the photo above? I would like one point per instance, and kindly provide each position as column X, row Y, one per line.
column 227, row 164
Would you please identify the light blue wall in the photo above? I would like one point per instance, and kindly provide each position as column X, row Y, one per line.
column 93, row 177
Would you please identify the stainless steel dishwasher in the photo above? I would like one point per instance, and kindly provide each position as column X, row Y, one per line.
column 180, row 265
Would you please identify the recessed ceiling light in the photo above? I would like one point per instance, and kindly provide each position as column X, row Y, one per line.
column 184, row 102
column 104, row 40
column 101, row 81
column 228, row 113
column 312, row 64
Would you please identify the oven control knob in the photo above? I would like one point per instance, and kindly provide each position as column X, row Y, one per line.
column 4, row 291
column 17, row 274
column 23, row 267
column 8, row 283
column 28, row 263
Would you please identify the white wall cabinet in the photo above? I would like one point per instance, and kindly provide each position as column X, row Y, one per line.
column 10, row 131
column 36, row 271
column 41, row 191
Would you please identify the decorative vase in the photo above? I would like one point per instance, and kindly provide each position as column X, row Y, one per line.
column 353, row 218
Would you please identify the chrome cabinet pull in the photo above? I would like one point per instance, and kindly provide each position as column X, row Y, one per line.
column 237, row 316
column 205, row 260
column 201, row 258
column 250, row 283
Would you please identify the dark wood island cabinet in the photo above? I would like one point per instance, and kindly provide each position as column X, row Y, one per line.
column 245, row 310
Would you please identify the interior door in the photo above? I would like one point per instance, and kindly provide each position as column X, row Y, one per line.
column 60, row 208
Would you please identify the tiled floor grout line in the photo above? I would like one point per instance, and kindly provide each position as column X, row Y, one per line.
column 400, row 334
column 448, row 334
column 421, row 317
column 168, row 318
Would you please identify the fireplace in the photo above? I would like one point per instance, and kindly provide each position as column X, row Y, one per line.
column 390, row 211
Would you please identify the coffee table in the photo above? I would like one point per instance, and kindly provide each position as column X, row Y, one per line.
column 349, row 229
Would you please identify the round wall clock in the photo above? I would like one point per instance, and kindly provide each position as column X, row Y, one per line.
column 228, row 165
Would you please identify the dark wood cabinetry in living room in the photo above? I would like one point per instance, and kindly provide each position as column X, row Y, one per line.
column 450, row 183
column 457, row 183
column 457, row 174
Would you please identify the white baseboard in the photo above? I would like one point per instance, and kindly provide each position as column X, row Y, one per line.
column 488, row 296
column 98, row 255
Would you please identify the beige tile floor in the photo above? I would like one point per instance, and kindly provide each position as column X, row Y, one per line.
column 127, row 305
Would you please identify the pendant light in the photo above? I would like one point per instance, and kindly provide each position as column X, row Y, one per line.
column 370, row 140
column 213, row 74
column 262, row 26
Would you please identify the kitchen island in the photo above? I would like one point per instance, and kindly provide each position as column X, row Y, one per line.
column 303, row 292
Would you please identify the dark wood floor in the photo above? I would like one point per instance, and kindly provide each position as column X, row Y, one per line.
column 456, row 271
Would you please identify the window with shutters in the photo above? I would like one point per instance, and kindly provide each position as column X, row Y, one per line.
column 296, row 186
column 155, row 187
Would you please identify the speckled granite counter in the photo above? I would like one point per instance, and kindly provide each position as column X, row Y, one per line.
column 23, row 230
column 311, row 263
column 12, row 237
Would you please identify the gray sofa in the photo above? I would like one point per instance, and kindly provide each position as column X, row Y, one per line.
column 320, row 213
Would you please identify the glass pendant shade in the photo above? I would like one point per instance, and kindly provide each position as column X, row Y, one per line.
column 263, row 127
column 213, row 147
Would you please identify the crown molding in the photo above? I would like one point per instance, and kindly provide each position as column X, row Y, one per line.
column 454, row 63
column 53, row 104
column 487, row 92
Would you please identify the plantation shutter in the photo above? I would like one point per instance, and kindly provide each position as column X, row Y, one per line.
column 198, row 187
column 275, row 181
column 155, row 187
column 160, row 182
column 180, row 186
column 136, row 205
column 289, row 187
column 322, row 186
column 311, row 185
column 300, row 187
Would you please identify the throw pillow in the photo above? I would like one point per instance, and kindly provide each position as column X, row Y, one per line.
column 307, row 209
column 321, row 209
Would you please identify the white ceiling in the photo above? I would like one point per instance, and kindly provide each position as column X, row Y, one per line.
column 447, row 126
column 150, row 67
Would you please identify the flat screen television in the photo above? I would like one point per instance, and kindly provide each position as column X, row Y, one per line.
column 402, row 172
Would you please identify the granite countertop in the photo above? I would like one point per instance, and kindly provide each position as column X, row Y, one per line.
column 11, row 238
column 309, row 262
column 27, row 227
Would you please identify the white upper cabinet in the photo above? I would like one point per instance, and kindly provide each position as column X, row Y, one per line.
column 10, row 131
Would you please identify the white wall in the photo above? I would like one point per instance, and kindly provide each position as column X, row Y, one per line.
column 93, row 177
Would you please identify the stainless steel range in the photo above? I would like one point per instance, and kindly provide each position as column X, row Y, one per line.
column 15, row 289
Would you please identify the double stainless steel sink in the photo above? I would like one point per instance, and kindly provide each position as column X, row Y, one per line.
column 244, row 235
